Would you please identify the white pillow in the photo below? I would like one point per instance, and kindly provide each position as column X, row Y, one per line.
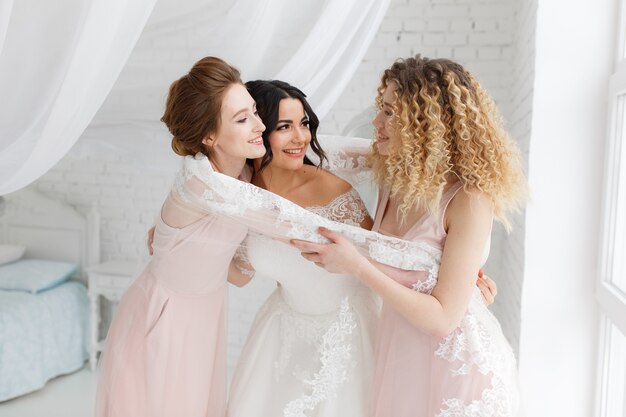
column 11, row 253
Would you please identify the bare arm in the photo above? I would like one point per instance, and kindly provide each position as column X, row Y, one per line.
column 150, row 240
column 367, row 223
column 236, row 276
column 468, row 221
column 240, row 271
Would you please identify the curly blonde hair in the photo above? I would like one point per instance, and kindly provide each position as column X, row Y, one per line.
column 446, row 123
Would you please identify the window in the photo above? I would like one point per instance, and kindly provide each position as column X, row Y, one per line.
column 613, row 372
column 611, row 287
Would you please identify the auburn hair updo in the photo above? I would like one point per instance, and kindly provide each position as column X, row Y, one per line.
column 194, row 102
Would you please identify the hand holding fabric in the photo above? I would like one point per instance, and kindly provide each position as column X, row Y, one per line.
column 338, row 256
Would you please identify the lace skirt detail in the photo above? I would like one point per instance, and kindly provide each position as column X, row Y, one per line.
column 470, row 373
column 297, row 365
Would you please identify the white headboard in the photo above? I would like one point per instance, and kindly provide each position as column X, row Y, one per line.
column 50, row 229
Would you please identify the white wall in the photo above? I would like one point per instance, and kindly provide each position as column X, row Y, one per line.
column 123, row 162
column 559, row 317
column 506, row 263
column 476, row 33
column 494, row 40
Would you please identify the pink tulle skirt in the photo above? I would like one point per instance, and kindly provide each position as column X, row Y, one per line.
column 470, row 373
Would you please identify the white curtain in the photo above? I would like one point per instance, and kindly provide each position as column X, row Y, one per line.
column 60, row 60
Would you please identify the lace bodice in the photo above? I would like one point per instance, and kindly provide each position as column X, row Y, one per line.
column 315, row 309
column 306, row 287
column 346, row 208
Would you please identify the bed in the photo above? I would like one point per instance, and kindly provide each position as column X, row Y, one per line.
column 43, row 322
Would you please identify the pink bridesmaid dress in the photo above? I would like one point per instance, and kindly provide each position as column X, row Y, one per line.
column 165, row 352
column 470, row 373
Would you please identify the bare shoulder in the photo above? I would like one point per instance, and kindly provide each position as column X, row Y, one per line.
column 467, row 199
column 320, row 188
column 324, row 187
column 469, row 207
column 328, row 184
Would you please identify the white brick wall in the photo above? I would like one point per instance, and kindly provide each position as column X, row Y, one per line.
column 478, row 34
column 129, row 187
column 127, row 196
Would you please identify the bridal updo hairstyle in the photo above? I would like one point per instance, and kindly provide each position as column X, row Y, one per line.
column 446, row 123
column 194, row 102
column 267, row 95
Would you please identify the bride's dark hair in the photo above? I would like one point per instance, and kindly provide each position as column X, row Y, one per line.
column 268, row 95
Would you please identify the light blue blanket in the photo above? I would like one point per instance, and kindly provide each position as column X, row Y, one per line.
column 41, row 336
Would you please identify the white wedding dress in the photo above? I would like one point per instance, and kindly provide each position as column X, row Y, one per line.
column 309, row 352
column 310, row 348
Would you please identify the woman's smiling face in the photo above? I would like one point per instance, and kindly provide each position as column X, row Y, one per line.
column 383, row 120
column 240, row 129
column 291, row 138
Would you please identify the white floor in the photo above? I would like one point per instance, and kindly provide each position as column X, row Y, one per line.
column 66, row 396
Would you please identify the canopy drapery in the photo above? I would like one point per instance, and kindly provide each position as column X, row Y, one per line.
column 59, row 61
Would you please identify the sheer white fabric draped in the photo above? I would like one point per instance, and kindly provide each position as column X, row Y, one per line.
column 58, row 62
column 199, row 188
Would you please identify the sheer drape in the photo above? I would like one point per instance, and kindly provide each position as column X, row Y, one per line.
column 59, row 61
column 198, row 187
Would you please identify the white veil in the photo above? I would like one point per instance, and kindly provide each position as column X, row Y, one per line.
column 199, row 187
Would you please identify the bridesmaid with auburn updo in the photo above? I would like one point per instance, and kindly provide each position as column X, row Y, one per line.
column 165, row 352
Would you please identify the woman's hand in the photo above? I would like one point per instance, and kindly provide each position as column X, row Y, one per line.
column 488, row 288
column 150, row 240
column 339, row 256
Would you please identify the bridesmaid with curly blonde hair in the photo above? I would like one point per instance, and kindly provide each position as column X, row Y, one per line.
column 446, row 168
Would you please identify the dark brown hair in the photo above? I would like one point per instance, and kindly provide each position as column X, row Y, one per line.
column 268, row 95
column 194, row 102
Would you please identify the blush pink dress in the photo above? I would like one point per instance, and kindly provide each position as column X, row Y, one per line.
column 165, row 352
column 470, row 373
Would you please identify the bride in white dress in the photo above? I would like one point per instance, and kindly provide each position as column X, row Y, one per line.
column 309, row 351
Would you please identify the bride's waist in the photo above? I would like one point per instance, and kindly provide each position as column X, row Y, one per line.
column 320, row 299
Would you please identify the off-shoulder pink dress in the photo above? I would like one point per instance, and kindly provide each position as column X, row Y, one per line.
column 470, row 373
column 165, row 352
